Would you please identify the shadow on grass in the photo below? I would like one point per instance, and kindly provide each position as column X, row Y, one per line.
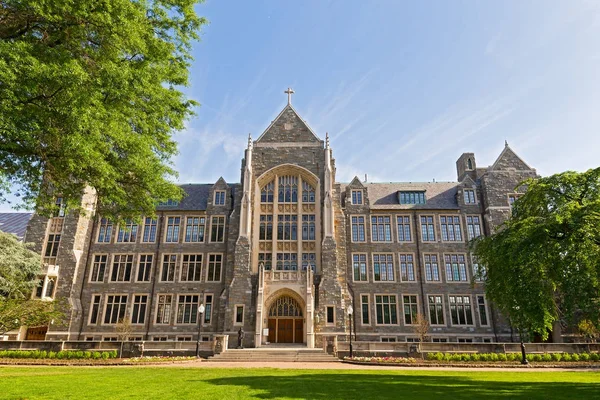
column 369, row 386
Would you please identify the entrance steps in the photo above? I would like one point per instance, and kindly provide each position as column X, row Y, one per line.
column 266, row 354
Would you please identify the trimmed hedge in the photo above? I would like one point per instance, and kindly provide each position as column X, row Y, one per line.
column 60, row 355
column 484, row 357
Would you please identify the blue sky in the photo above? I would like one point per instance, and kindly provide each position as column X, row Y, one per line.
column 403, row 88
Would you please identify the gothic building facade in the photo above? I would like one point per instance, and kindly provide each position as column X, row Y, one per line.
column 287, row 254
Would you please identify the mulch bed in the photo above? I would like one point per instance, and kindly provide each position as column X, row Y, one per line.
column 91, row 363
column 503, row 364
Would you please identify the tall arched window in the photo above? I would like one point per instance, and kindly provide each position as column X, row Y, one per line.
column 285, row 306
column 266, row 193
column 469, row 164
column 308, row 193
column 288, row 189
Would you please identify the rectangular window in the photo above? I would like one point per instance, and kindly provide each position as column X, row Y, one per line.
column 145, row 267
column 473, row 226
column 159, row 338
column 149, row 230
column 184, row 338
column 105, row 231
column 436, row 310
column 51, row 249
column 194, row 229
column 191, row 267
column 172, row 235
column 219, row 197
column 168, row 203
column 483, row 319
column 439, row 340
column 388, row 339
column 460, row 310
column 217, row 229
column 407, row 268
column 287, row 262
column 98, row 268
column 450, row 229
column 359, row 266
column 167, row 273
column 308, row 227
column 95, row 309
column 287, row 227
column 386, row 311
column 266, row 259
column 127, row 232
column 138, row 313
column 39, row 289
column 208, row 303
column 309, row 261
column 403, row 228
column 121, row 268
column 465, row 340
column 411, row 197
column 239, row 315
column 357, row 197
column 187, row 309
column 59, row 210
column 265, row 227
column 410, row 309
column 381, row 229
column 364, row 300
column 163, row 309
column 427, row 229
column 456, row 268
column 383, row 267
column 115, row 308
column 469, row 195
column 308, row 193
column 358, row 229
column 432, row 268
column 330, row 315
column 215, row 263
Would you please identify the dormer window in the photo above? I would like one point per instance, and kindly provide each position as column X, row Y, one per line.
column 357, row 197
column 469, row 196
column 168, row 203
column 219, row 198
column 411, row 197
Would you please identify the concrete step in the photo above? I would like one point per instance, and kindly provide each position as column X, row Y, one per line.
column 273, row 355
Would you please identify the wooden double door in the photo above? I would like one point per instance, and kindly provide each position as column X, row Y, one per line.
column 286, row 330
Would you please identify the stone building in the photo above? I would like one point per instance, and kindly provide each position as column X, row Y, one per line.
column 286, row 253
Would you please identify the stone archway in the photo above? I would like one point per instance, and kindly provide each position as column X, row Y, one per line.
column 285, row 315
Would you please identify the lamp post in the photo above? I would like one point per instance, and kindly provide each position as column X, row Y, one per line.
column 350, row 311
column 200, row 313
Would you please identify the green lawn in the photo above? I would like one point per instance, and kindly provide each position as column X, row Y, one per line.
column 202, row 383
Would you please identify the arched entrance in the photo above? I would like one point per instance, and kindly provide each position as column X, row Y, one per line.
column 286, row 321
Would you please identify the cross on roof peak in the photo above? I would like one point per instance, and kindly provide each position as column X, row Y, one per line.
column 289, row 92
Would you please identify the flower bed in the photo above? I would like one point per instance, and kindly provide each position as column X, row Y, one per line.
column 153, row 359
column 495, row 357
column 59, row 355
column 382, row 360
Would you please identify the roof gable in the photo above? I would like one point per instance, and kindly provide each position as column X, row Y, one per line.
column 508, row 159
column 288, row 127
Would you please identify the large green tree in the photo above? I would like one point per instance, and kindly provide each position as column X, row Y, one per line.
column 90, row 95
column 19, row 270
column 543, row 264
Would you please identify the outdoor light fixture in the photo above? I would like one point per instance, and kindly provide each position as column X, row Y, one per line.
column 350, row 311
column 201, row 309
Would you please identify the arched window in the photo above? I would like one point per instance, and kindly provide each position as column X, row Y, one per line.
column 308, row 193
column 288, row 189
column 285, row 306
column 266, row 193
column 469, row 164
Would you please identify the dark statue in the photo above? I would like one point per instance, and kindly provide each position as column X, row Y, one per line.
column 241, row 338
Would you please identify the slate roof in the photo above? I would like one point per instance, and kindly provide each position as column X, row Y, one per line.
column 195, row 198
column 439, row 195
column 15, row 223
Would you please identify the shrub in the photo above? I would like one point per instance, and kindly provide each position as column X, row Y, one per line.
column 113, row 354
column 529, row 357
column 105, row 355
column 546, row 357
column 51, row 355
column 556, row 356
column 595, row 357
column 97, row 355
column 584, row 357
column 493, row 357
column 447, row 357
column 476, row 357
column 87, row 354
column 502, row 357
column 566, row 357
column 537, row 357
column 575, row 357
column 465, row 357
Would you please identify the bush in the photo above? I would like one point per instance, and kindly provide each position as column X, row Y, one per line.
column 465, row 357
column 537, row 357
column 575, row 357
column 546, row 357
column 566, row 357
column 584, row 357
column 595, row 357
column 502, row 357
column 557, row 357
column 476, row 357
column 97, row 355
column 105, row 355
column 87, row 354
column 113, row 354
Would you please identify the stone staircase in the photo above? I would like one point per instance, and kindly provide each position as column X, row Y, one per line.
column 266, row 354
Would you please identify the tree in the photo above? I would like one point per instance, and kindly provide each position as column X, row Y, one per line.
column 123, row 329
column 89, row 96
column 421, row 327
column 543, row 264
column 19, row 270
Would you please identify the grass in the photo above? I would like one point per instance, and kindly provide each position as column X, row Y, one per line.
column 204, row 383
